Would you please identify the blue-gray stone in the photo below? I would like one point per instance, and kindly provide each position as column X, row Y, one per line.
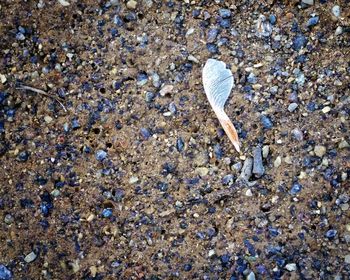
column 5, row 273
column 225, row 13
column 258, row 168
column 313, row 21
column 101, row 155
column 212, row 34
column 299, row 41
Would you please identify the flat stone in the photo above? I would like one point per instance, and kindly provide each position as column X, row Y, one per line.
column 347, row 259
column 166, row 90
column 308, row 2
column 3, row 78
column 320, row 151
column 131, row 4
column 258, row 168
column 265, row 151
column 336, row 11
column 277, row 162
column 246, row 171
column 338, row 31
column 344, row 206
column 202, row 171
column 47, row 119
column 251, row 276
column 193, row 59
column 343, row 144
column 249, row 192
column 292, row 107
column 291, row 267
column 326, row 109
column 133, row 180
column 30, row 257
column 347, row 227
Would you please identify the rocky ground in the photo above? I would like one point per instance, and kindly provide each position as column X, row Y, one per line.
column 113, row 165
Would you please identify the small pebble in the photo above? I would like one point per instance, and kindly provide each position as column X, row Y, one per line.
column 308, row 2
column 331, row 234
column 8, row 219
column 202, row 171
column 320, row 151
column 291, row 267
column 292, row 107
column 246, row 171
column 48, row 119
column 347, row 259
column 266, row 122
column 166, row 90
column 272, row 19
column 338, row 31
column 225, row 13
column 131, row 4
column 212, row 34
column 101, row 155
column 265, row 151
column 107, row 213
column 297, row 134
column 313, row 21
column 343, row 144
column 336, row 11
column 133, row 180
column 249, row 193
column 258, row 168
column 299, row 42
column 296, row 188
column 30, row 257
column 3, row 78
column 5, row 273
column 145, row 133
column 326, row 109
column 251, row 276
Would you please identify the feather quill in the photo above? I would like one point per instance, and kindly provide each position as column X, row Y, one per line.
column 218, row 83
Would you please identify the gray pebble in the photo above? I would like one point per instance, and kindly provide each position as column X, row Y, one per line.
column 30, row 257
column 237, row 166
column 336, row 11
column 156, row 80
column 308, row 2
column 347, row 259
column 292, row 107
column 297, row 134
column 246, row 170
column 258, row 168
column 8, row 219
column 251, row 276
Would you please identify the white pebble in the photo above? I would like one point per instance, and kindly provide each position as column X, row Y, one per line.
column 48, row 119
column 347, row 259
column 338, row 31
column 292, row 107
column 30, row 257
column 277, row 162
column 291, row 267
column 336, row 11
column 249, row 192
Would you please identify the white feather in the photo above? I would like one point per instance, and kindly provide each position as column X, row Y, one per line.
column 218, row 82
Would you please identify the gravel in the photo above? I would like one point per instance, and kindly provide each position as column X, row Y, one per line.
column 133, row 178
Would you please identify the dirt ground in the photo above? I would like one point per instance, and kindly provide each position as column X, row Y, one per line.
column 120, row 170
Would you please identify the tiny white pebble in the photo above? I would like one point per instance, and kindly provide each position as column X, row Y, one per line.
column 249, row 192
column 48, row 119
column 30, row 257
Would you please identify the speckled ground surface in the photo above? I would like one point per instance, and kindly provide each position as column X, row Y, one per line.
column 136, row 181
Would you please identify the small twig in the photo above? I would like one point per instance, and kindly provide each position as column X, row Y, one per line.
column 43, row 93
